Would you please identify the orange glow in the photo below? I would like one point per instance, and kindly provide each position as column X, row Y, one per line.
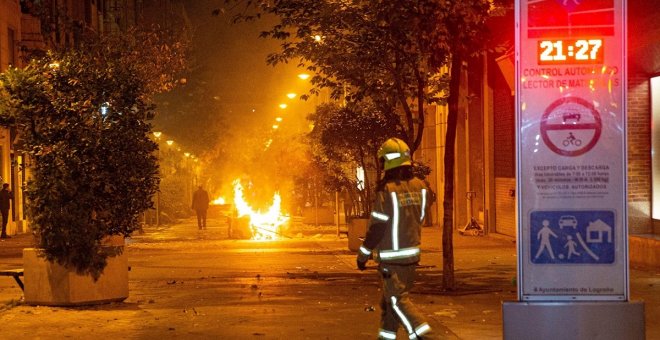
column 218, row 201
column 283, row 106
column 265, row 225
column 303, row 76
column 291, row 95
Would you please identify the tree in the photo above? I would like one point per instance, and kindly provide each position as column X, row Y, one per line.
column 391, row 52
column 378, row 50
column 347, row 137
column 82, row 117
column 466, row 29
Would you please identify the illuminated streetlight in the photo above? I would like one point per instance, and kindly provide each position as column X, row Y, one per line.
column 318, row 38
column 283, row 106
column 187, row 154
column 157, row 134
column 291, row 95
column 275, row 126
column 169, row 142
column 303, row 76
column 278, row 119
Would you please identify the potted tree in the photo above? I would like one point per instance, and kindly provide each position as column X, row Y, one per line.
column 345, row 141
column 81, row 117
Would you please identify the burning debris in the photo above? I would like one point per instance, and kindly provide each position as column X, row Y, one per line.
column 218, row 201
column 264, row 225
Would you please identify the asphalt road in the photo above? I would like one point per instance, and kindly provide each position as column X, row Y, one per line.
column 192, row 284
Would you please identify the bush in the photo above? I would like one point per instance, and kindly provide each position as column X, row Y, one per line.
column 83, row 122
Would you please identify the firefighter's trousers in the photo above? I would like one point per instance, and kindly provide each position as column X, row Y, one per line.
column 396, row 307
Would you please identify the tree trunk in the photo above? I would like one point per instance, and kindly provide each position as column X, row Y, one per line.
column 448, row 204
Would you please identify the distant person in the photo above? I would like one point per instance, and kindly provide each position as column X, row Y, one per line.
column 428, row 203
column 5, row 197
column 200, row 203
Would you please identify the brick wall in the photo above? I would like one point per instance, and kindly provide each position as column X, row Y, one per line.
column 504, row 124
column 504, row 151
column 639, row 152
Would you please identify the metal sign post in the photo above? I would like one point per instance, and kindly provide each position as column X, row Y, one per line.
column 571, row 172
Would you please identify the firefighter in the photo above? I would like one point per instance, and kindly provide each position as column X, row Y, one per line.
column 393, row 239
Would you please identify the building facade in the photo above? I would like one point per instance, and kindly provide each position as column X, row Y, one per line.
column 12, row 164
column 485, row 145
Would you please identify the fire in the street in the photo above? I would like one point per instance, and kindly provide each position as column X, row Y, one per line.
column 265, row 225
column 218, row 201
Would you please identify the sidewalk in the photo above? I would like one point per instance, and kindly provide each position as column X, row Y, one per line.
column 489, row 264
column 186, row 283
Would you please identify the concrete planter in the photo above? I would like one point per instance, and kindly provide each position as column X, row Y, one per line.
column 357, row 230
column 50, row 284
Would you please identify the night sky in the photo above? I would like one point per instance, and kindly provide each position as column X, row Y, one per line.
column 229, row 65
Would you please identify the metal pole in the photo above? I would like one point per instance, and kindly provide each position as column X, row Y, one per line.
column 316, row 204
column 158, row 192
column 337, row 210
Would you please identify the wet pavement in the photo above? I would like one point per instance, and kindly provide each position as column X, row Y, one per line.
column 187, row 283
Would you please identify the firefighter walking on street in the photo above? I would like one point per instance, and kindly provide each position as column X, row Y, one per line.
column 393, row 239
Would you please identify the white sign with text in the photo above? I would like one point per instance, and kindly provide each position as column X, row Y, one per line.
column 571, row 150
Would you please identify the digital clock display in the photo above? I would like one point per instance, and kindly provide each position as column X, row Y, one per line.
column 580, row 51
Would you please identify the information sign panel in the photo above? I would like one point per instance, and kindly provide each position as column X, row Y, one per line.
column 571, row 150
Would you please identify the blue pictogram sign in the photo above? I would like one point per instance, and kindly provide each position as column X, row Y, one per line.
column 572, row 237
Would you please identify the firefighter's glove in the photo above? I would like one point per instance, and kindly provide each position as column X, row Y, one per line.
column 363, row 257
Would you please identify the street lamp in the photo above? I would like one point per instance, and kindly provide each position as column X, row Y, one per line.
column 157, row 134
column 188, row 166
column 303, row 76
column 291, row 95
column 169, row 142
column 283, row 106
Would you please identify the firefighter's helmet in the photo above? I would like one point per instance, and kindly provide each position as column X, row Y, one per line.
column 394, row 153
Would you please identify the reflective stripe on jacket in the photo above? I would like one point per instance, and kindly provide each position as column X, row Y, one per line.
column 400, row 209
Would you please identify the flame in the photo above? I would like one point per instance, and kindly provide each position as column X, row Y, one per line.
column 218, row 201
column 264, row 225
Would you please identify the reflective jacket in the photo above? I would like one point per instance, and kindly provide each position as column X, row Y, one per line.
column 395, row 224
